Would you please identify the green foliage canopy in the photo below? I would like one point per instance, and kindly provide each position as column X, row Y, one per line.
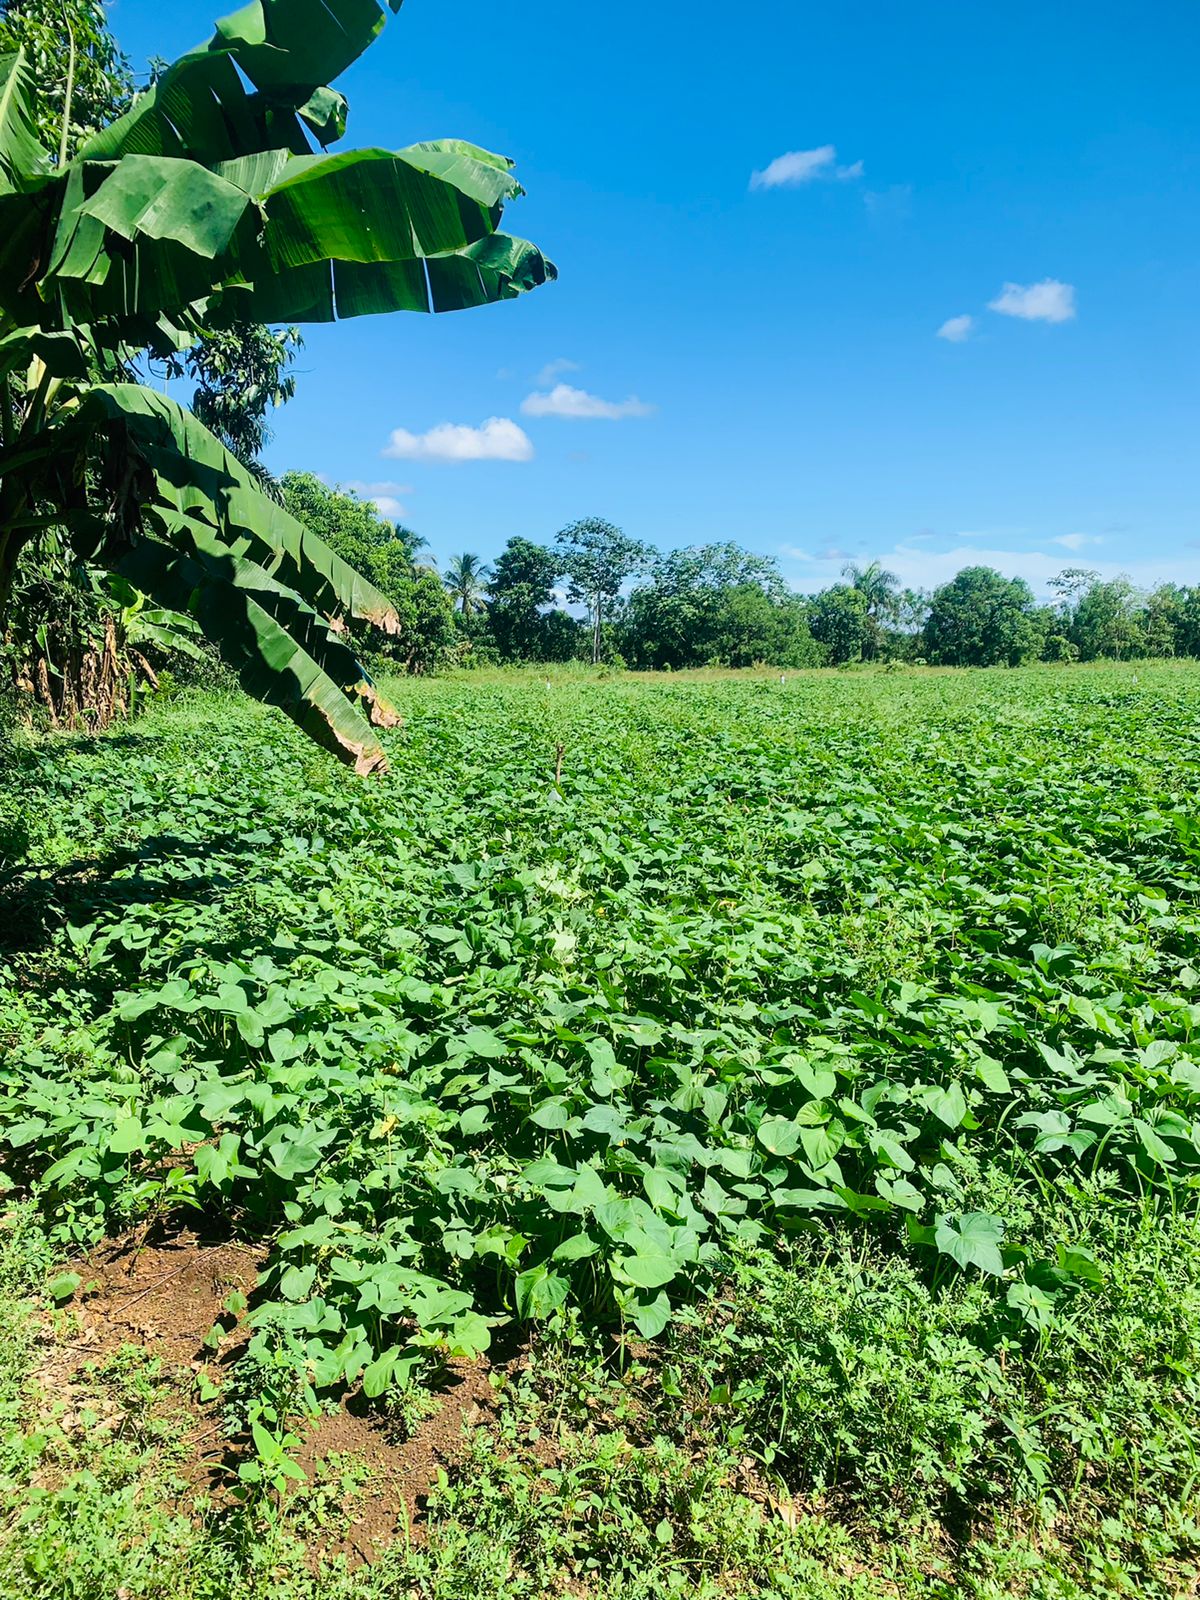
column 715, row 604
column 524, row 623
column 840, row 621
column 981, row 619
column 597, row 558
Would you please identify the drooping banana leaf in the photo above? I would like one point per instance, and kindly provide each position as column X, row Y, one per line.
column 195, row 476
column 497, row 268
column 272, row 665
column 280, row 44
column 63, row 354
column 331, row 654
column 194, row 536
column 165, row 198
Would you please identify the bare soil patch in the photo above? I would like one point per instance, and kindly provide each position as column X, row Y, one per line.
column 402, row 1471
column 164, row 1295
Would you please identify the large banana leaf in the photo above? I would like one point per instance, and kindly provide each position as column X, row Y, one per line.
column 373, row 205
column 62, row 354
column 153, row 233
column 280, row 44
column 306, row 626
column 22, row 156
column 224, row 596
column 166, row 198
column 496, row 268
column 289, row 50
column 26, row 208
column 195, row 476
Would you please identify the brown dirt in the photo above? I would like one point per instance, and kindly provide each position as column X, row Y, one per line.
column 164, row 1296
column 401, row 1473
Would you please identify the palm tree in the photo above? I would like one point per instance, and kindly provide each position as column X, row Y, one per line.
column 416, row 547
column 467, row 580
column 880, row 588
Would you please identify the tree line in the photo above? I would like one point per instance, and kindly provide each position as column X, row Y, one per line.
column 594, row 594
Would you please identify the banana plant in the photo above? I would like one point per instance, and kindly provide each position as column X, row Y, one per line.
column 215, row 200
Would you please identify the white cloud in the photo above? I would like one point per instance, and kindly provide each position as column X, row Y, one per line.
column 795, row 167
column 555, row 369
column 497, row 439
column 1076, row 541
column 383, row 496
column 1048, row 301
column 577, row 404
column 924, row 568
column 956, row 329
column 791, row 552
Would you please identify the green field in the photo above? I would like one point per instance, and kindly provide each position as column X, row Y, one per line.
column 788, row 1109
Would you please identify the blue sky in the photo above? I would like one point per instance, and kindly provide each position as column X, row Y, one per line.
column 762, row 216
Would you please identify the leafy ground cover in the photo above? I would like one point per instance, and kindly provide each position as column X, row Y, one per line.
column 810, row 1065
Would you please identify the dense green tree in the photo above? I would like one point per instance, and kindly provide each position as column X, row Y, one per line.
column 1164, row 620
column 982, row 619
column 524, row 624
column 1111, row 619
column 69, row 47
column 1058, row 646
column 1187, row 627
column 598, row 558
column 839, row 620
column 714, row 604
column 466, row 582
column 753, row 626
column 1107, row 621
